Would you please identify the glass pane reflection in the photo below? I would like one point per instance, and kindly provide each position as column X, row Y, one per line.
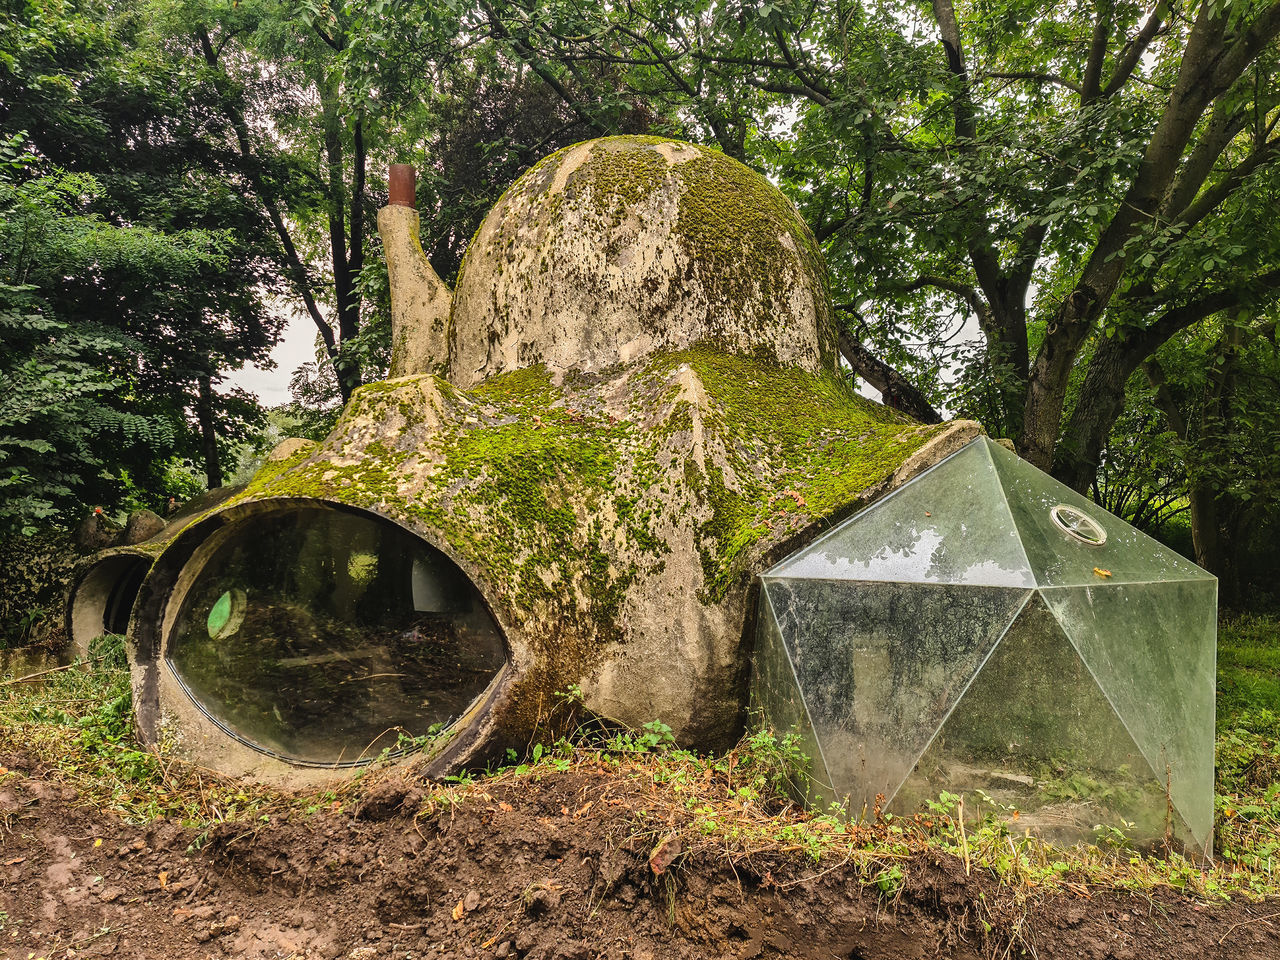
column 1034, row 734
column 949, row 525
column 879, row 665
column 321, row 635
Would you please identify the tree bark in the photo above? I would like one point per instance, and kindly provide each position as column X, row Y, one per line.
column 208, row 433
column 895, row 390
column 346, row 299
column 1203, row 500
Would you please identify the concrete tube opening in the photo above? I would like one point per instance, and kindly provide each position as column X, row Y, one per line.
column 103, row 600
column 321, row 636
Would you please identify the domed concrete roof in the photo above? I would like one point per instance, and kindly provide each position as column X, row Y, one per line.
column 614, row 249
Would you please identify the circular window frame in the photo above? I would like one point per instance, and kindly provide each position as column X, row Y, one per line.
column 227, row 524
column 1078, row 519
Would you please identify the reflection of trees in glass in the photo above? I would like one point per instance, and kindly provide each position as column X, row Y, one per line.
column 948, row 526
column 887, row 658
column 333, row 650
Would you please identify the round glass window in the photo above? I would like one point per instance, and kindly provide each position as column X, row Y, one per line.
column 1078, row 525
column 321, row 636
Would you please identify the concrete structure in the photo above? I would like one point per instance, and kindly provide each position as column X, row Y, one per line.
column 585, row 456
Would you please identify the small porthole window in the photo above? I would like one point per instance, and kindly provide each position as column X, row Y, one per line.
column 1078, row 525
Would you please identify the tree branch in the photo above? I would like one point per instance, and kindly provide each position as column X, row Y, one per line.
column 1210, row 199
column 293, row 264
column 1142, row 344
column 897, row 392
column 1132, row 53
column 1224, row 123
column 526, row 54
column 1091, row 82
column 965, row 292
column 962, row 104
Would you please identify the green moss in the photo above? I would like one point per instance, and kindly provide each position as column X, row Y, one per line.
column 524, row 480
column 616, row 178
column 528, row 387
column 747, row 246
column 800, row 447
column 738, row 246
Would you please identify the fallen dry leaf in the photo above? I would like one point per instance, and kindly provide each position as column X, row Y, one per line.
column 663, row 855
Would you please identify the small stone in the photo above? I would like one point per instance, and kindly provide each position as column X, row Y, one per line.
column 141, row 525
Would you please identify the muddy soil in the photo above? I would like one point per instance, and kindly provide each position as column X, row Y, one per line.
column 559, row 868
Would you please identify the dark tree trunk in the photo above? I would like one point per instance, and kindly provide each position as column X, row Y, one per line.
column 291, row 261
column 1101, row 401
column 895, row 389
column 1206, row 536
column 208, row 433
column 346, row 299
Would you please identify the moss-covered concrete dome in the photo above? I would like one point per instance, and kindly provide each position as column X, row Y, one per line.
column 639, row 413
column 610, row 250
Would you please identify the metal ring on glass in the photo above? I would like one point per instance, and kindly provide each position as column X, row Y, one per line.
column 1078, row 525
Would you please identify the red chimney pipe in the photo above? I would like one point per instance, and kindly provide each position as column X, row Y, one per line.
column 401, row 183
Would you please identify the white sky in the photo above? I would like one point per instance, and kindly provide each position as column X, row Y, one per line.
column 296, row 347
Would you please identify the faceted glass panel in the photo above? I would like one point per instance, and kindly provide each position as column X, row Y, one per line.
column 1096, row 708
column 321, row 635
column 774, row 692
column 1035, row 736
column 949, row 525
column 1153, row 649
column 879, row 665
column 1057, row 558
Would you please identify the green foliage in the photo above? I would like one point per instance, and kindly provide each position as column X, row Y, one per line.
column 132, row 267
column 1248, row 749
column 66, row 426
column 992, row 206
column 1198, row 441
column 107, row 652
column 79, row 722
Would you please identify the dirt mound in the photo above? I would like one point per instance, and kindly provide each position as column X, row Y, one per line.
column 566, row 866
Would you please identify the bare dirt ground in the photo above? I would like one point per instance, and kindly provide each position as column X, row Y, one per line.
column 559, row 867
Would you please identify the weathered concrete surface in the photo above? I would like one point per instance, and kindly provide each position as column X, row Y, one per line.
column 614, row 524
column 142, row 525
column 641, row 412
column 610, row 250
column 420, row 301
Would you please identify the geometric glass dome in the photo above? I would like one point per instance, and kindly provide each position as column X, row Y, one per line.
column 987, row 631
